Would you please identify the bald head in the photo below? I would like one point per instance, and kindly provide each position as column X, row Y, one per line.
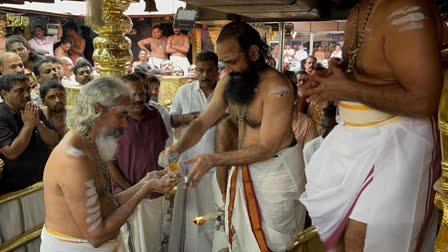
column 11, row 63
column 67, row 66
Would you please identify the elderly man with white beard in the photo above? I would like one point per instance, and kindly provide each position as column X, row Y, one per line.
column 82, row 214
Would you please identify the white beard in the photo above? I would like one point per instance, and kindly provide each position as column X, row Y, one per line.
column 107, row 146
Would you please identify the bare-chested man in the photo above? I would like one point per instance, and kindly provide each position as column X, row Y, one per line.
column 78, row 42
column 268, row 160
column 369, row 184
column 81, row 212
column 178, row 46
column 158, row 45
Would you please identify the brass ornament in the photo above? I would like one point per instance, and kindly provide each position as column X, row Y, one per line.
column 441, row 198
column 112, row 48
column 195, row 42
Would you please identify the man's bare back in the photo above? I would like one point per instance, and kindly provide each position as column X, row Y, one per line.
column 72, row 162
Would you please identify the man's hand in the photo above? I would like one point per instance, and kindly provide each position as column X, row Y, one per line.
column 30, row 115
column 152, row 183
column 188, row 118
column 325, row 86
column 167, row 157
column 203, row 164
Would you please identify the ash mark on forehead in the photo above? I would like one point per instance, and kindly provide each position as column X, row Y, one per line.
column 121, row 107
column 227, row 56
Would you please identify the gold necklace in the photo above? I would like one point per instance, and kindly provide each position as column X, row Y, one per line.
column 240, row 114
column 354, row 47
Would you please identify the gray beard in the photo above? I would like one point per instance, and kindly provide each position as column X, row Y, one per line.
column 107, row 146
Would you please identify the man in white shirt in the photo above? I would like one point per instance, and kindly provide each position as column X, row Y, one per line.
column 301, row 54
column 69, row 78
column 288, row 54
column 337, row 53
column 190, row 100
column 42, row 42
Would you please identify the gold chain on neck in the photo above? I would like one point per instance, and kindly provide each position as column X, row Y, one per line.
column 354, row 47
column 241, row 114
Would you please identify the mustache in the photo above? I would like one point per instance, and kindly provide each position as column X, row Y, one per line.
column 235, row 74
column 116, row 133
column 138, row 103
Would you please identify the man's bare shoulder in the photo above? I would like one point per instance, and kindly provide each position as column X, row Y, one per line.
column 71, row 153
column 274, row 84
column 272, row 78
column 403, row 11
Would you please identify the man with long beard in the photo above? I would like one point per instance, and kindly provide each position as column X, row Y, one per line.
column 82, row 214
column 369, row 185
column 178, row 46
column 262, row 208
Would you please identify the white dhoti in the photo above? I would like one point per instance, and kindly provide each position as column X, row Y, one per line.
column 52, row 241
column 142, row 230
column 154, row 62
column 189, row 204
column 181, row 62
column 377, row 169
column 266, row 214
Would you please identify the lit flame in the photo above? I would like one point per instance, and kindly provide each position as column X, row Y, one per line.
column 201, row 220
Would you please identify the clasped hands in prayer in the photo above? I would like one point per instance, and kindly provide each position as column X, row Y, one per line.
column 202, row 164
column 325, row 86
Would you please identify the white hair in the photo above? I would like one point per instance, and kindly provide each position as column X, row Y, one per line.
column 65, row 58
column 104, row 91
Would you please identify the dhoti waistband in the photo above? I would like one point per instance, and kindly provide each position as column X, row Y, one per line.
column 356, row 114
column 54, row 241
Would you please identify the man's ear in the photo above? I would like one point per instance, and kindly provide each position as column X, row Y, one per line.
column 98, row 107
column 4, row 94
column 254, row 53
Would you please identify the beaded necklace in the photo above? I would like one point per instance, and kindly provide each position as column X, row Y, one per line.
column 357, row 40
column 105, row 176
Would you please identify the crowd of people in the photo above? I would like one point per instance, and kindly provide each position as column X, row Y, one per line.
column 263, row 154
column 294, row 57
